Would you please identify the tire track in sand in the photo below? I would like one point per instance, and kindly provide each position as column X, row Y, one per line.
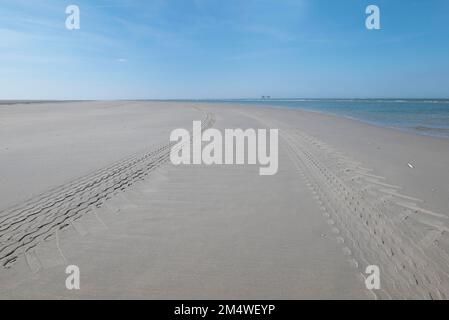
column 25, row 226
column 372, row 220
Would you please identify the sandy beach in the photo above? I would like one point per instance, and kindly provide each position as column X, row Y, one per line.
column 91, row 184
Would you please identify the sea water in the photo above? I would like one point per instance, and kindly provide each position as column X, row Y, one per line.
column 424, row 116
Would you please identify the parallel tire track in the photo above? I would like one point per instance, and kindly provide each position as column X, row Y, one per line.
column 24, row 226
column 375, row 224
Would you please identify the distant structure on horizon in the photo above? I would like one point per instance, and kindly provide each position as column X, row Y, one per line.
column 266, row 97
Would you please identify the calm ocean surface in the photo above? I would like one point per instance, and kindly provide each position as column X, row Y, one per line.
column 426, row 117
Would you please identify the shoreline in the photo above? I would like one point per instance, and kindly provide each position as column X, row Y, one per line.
column 401, row 129
column 419, row 130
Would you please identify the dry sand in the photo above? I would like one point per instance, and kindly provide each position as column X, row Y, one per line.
column 94, row 187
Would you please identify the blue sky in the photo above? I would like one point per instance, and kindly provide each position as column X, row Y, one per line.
column 179, row 49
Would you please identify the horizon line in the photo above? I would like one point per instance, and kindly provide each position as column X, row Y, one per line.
column 218, row 99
